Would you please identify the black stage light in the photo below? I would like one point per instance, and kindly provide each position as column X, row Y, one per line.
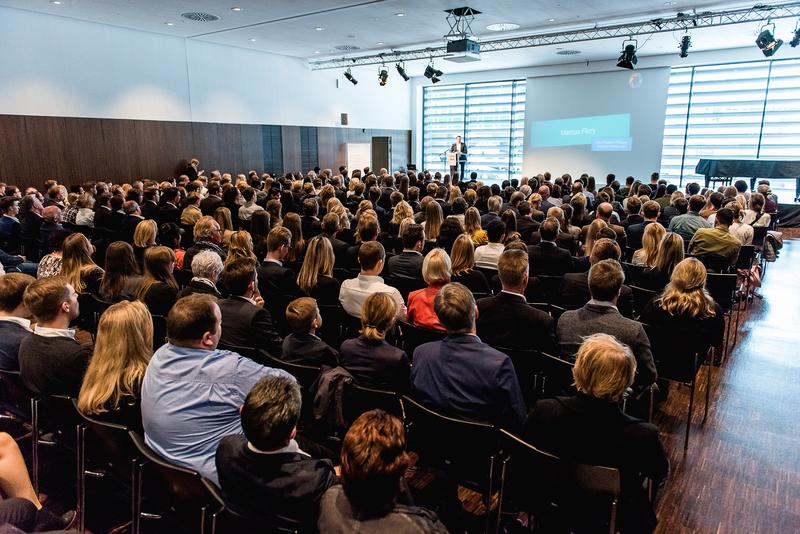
column 627, row 59
column 686, row 44
column 402, row 71
column 766, row 41
column 796, row 39
column 432, row 73
column 383, row 76
column 349, row 76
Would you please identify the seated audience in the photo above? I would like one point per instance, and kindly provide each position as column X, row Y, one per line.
column 192, row 391
column 486, row 256
column 113, row 380
column 462, row 376
column 506, row 320
column 463, row 266
column 224, row 219
column 546, row 257
column 600, row 315
column 158, row 288
column 302, row 345
column 265, row 476
column 754, row 215
column 191, row 213
column 85, row 215
column 10, row 227
column 15, row 324
column 685, row 305
column 646, row 256
column 297, row 251
column 207, row 236
column 144, row 237
column 374, row 461
column 436, row 273
column 245, row 321
column 206, row 268
column 369, row 358
column 687, row 224
column 50, row 225
column 121, row 276
column 241, row 246
column 50, row 264
column 315, row 278
column 525, row 223
column 717, row 244
column 670, row 253
column 635, row 232
column 355, row 291
column 51, row 361
column 77, row 265
column 273, row 277
column 473, row 228
column 408, row 264
column 591, row 428
column 738, row 229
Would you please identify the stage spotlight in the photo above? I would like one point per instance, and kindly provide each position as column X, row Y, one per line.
column 432, row 73
column 349, row 76
column 766, row 41
column 383, row 75
column 796, row 39
column 627, row 59
column 686, row 44
column 402, row 71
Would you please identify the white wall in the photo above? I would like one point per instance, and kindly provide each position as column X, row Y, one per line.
column 64, row 67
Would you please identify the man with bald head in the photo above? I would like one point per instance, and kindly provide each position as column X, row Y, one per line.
column 544, row 191
column 51, row 223
column 604, row 212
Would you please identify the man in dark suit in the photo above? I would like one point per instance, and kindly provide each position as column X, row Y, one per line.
column 546, row 257
column 302, row 345
column 330, row 228
column 604, row 212
column 51, row 224
column 493, row 214
column 506, row 320
column 10, row 227
column 462, row 376
column 633, row 208
column 206, row 268
column 526, row 226
column 117, row 215
column 651, row 210
column 273, row 278
column 15, row 324
column 574, row 291
column 601, row 315
column 245, row 322
column 460, row 149
column 149, row 207
column 133, row 216
column 168, row 211
column 267, row 476
column 309, row 222
column 102, row 211
column 213, row 201
column 544, row 192
column 408, row 264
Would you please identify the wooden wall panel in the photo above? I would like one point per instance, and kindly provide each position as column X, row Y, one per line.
column 75, row 150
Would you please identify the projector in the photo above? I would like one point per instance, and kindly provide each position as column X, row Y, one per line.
column 463, row 50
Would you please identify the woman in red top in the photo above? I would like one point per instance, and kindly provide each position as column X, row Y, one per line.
column 436, row 273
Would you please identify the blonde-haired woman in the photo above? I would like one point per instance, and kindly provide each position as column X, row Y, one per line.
column 670, row 253
column 401, row 211
column 77, row 265
column 223, row 217
column 646, row 256
column 462, row 266
column 369, row 358
column 158, row 288
column 144, row 237
column 436, row 271
column 472, row 226
column 241, row 246
column 685, row 305
column 316, row 275
column 122, row 349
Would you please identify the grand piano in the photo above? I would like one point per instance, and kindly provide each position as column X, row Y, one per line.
column 724, row 170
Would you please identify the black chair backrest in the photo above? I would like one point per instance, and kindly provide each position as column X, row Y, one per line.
column 677, row 354
column 108, row 442
column 306, row 375
column 57, row 415
column 551, row 286
column 554, row 376
column 360, row 399
column 230, row 522
column 174, row 485
column 413, row 336
column 746, row 255
column 331, row 331
column 14, row 395
column 722, row 288
column 276, row 305
column 159, row 331
column 635, row 272
column 759, row 234
column 551, row 309
column 406, row 285
column 581, row 497
column 641, row 297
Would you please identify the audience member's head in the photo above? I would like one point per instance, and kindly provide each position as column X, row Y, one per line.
column 455, row 307
column 279, row 242
column 436, row 267
column 512, row 269
column 377, row 316
column 271, row 411
column 633, row 206
column 207, row 264
column 685, row 295
column 696, row 203
column 370, row 257
column 724, row 218
column 605, row 280
column 548, row 231
column 604, row 368
column 240, row 277
column 650, row 210
column 207, row 229
column 52, row 301
column 605, row 249
column 496, row 230
column 12, row 291
column 413, row 237
column 195, row 322
column 302, row 316
column 670, row 253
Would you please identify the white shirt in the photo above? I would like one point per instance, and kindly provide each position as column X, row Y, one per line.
column 743, row 232
column 246, row 212
column 355, row 291
column 24, row 323
column 520, row 295
column 292, row 447
column 45, row 331
column 749, row 217
column 85, row 217
column 487, row 256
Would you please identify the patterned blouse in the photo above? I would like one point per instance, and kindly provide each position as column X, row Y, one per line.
column 50, row 265
column 70, row 212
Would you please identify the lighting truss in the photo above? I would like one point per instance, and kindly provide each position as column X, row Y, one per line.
column 679, row 22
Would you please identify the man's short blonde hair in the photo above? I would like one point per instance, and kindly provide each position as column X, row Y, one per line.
column 436, row 267
column 604, row 367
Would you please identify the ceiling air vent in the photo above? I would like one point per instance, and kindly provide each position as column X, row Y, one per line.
column 199, row 16
column 568, row 52
column 347, row 48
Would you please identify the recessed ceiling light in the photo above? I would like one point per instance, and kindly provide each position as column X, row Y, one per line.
column 502, row 27
column 551, row 20
column 253, row 39
column 319, row 28
column 670, row 3
column 56, row 2
column 379, row 43
column 316, row 51
column 236, row 8
column 399, row 14
column 170, row 23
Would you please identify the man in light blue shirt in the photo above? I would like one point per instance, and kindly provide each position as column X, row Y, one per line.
column 192, row 392
column 687, row 224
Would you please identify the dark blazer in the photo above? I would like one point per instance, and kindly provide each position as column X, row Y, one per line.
column 405, row 265
column 464, row 377
column 47, row 229
column 489, row 217
column 545, row 206
column 575, row 293
column 575, row 325
column 11, row 336
column 629, row 220
column 564, row 240
column 274, row 279
column 198, row 287
column 200, row 246
column 310, row 226
column 9, row 227
column 548, row 259
column 592, row 431
column 102, row 217
column 53, row 365
column 375, row 364
column 340, row 249
column 474, row 280
column 128, row 226
column 326, row 291
column 149, row 209
column 506, row 320
column 635, row 234
column 246, row 325
column 31, row 224
column 210, row 204
column 527, row 226
column 272, row 489
column 709, row 329
column 160, row 298
column 168, row 213
column 307, row 349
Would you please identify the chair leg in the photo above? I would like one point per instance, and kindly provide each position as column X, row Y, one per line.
column 81, row 490
column 136, row 495
column 709, row 369
column 612, row 527
column 689, row 417
column 489, row 496
column 35, row 443
column 203, row 520
column 501, row 496
column 726, row 351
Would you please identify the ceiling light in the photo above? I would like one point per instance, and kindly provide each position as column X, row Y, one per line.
column 686, row 44
column 401, row 70
column 350, row 77
column 766, row 41
column 551, row 20
column 379, row 43
column 627, row 59
column 316, row 51
column 319, row 28
column 670, row 3
column 796, row 39
column 170, row 23
column 432, row 73
column 399, row 14
column 56, row 2
column 502, row 27
column 253, row 39
column 383, row 75
column 236, row 8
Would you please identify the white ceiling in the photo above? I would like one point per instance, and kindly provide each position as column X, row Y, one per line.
column 288, row 27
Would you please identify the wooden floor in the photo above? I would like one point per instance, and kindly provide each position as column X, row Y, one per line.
column 742, row 470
